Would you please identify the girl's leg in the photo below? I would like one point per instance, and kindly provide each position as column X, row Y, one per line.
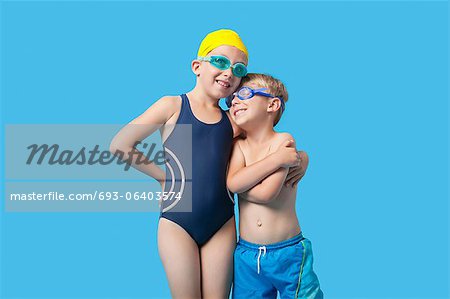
column 217, row 262
column 180, row 257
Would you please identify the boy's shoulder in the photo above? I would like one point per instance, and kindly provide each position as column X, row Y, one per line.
column 238, row 142
column 280, row 138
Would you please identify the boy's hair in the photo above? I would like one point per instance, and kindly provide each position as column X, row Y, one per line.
column 274, row 87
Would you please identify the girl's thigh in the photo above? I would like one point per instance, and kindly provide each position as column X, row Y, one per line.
column 217, row 262
column 180, row 257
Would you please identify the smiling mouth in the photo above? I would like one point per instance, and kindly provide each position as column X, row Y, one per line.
column 223, row 83
column 239, row 111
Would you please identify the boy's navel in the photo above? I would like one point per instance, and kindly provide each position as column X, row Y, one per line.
column 259, row 222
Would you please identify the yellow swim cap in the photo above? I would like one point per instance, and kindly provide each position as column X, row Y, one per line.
column 218, row 38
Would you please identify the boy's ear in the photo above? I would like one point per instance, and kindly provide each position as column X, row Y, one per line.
column 274, row 105
column 195, row 67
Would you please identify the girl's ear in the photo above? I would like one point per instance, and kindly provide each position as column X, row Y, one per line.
column 195, row 67
column 274, row 105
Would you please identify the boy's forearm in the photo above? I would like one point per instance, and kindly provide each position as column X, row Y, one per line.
column 252, row 198
column 249, row 176
column 260, row 194
column 269, row 188
column 256, row 195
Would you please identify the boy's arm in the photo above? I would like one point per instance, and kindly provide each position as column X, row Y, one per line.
column 237, row 162
column 237, row 131
column 295, row 173
column 267, row 189
column 241, row 178
column 270, row 187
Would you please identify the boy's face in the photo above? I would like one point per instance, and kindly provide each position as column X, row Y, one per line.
column 218, row 83
column 250, row 111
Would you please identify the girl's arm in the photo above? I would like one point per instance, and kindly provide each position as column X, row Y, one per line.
column 242, row 178
column 296, row 173
column 138, row 129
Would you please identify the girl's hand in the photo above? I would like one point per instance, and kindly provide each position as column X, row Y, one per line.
column 296, row 173
column 287, row 154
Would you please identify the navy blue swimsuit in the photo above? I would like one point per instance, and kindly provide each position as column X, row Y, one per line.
column 199, row 173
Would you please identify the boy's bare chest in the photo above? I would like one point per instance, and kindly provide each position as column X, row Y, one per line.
column 256, row 154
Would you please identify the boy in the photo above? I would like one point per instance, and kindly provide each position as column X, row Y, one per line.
column 271, row 255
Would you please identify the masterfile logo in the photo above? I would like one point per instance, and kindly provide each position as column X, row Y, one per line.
column 73, row 168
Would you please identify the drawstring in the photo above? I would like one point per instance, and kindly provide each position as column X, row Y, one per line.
column 262, row 248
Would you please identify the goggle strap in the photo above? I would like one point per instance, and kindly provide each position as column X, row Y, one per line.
column 264, row 94
column 259, row 89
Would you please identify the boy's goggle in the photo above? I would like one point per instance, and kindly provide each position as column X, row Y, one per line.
column 223, row 63
column 245, row 93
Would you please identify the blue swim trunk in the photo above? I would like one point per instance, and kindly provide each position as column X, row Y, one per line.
column 262, row 271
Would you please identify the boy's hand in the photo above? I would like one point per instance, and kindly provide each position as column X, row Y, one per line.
column 296, row 173
column 287, row 154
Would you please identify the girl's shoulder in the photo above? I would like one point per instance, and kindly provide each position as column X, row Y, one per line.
column 168, row 104
column 169, row 100
column 160, row 111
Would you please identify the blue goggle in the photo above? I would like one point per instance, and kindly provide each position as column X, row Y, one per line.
column 245, row 93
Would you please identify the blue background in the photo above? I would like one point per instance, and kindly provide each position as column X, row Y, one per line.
column 368, row 84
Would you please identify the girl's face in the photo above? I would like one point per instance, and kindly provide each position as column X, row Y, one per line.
column 217, row 83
